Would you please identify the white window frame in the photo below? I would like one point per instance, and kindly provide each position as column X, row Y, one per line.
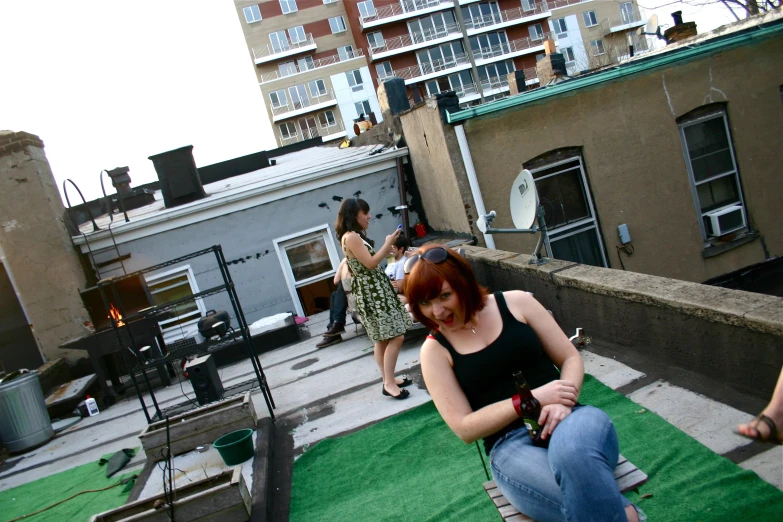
column 288, row 6
column 366, row 9
column 346, row 50
column 337, row 24
column 281, row 37
column 536, row 31
column 252, row 14
column 376, row 40
column 361, row 103
column 188, row 328
column 287, row 68
column 355, row 79
column 305, row 63
column 568, row 53
column 319, row 92
column 281, row 243
column 528, row 5
column 329, row 1
column 560, row 27
column 297, row 34
column 280, row 103
column 626, row 12
column 718, row 113
column 589, row 18
column 594, row 44
column 288, row 126
column 585, row 224
column 381, row 68
column 328, row 124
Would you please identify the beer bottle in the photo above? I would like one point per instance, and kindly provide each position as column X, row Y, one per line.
column 530, row 408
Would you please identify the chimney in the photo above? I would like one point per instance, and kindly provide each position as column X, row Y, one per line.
column 178, row 175
column 393, row 96
column 681, row 30
column 121, row 180
column 516, row 82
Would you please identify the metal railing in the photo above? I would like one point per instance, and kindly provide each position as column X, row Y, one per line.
column 636, row 18
column 266, row 51
column 406, row 40
column 431, row 67
column 403, row 7
column 556, row 4
column 509, row 15
column 303, row 103
column 315, row 64
column 513, row 46
column 313, row 132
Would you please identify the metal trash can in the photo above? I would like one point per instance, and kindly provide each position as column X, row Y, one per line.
column 24, row 421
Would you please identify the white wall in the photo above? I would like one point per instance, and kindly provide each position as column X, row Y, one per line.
column 346, row 97
column 574, row 40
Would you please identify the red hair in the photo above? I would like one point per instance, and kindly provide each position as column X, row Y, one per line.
column 425, row 282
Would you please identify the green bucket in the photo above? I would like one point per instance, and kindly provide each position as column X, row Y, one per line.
column 235, row 447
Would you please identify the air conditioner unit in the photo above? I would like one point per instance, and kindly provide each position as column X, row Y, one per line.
column 721, row 222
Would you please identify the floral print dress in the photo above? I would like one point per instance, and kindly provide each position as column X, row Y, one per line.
column 383, row 314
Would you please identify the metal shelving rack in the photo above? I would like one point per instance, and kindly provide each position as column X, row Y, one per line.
column 243, row 329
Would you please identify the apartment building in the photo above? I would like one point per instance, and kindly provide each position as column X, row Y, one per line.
column 314, row 78
column 467, row 46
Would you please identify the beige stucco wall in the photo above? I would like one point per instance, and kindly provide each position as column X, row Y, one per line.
column 634, row 157
column 38, row 249
column 440, row 171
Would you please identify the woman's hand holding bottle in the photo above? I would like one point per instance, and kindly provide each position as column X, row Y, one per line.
column 556, row 392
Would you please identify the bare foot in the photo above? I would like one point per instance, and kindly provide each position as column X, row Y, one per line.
column 630, row 514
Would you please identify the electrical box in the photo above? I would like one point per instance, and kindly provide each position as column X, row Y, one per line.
column 625, row 236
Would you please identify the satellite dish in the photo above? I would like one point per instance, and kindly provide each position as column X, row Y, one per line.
column 524, row 200
column 481, row 223
column 651, row 29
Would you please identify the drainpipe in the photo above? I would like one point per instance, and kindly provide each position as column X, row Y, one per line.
column 403, row 198
column 468, row 51
column 467, row 159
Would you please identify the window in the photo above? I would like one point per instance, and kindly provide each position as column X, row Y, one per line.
column 345, row 53
column 279, row 41
column 287, row 130
column 441, row 57
column 366, row 9
column 568, row 53
column 287, row 68
column 495, row 75
column 375, row 39
column 288, row 6
column 326, row 119
column 573, row 231
column 536, row 32
column 305, row 63
column 598, row 47
column 355, row 79
column 590, row 18
column 278, row 99
column 559, row 25
column 489, row 45
column 481, row 15
column 297, row 34
column 317, row 88
column 308, row 128
column 337, row 24
column 252, row 14
column 384, row 70
column 329, row 1
column 712, row 170
column 626, row 11
column 462, row 83
column 173, row 285
column 528, row 5
column 363, row 107
column 299, row 98
column 430, row 27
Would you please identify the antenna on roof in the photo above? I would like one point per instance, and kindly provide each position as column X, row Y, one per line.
column 651, row 29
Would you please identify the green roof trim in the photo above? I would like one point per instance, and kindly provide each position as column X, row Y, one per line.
column 618, row 72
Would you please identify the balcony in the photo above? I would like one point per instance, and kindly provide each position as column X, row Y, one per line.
column 622, row 23
column 506, row 18
column 332, row 132
column 402, row 11
column 492, row 86
column 268, row 53
column 557, row 4
column 405, row 43
column 310, row 104
column 429, row 70
column 315, row 64
column 511, row 49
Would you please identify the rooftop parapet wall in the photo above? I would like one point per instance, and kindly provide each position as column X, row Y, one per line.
column 729, row 335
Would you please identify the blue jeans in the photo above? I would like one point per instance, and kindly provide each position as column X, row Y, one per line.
column 572, row 480
column 338, row 306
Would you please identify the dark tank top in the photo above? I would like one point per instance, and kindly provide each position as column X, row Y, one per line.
column 486, row 376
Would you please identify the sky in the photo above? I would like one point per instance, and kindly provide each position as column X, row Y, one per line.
column 107, row 84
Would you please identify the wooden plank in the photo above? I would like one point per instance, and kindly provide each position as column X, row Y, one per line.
column 507, row 511
column 519, row 518
column 632, row 480
column 500, row 501
column 623, row 469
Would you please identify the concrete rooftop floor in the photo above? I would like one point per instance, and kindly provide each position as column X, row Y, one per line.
column 332, row 391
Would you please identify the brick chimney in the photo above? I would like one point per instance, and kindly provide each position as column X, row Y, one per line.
column 552, row 66
column 681, row 30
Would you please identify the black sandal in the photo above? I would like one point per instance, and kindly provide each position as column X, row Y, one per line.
column 771, row 437
column 404, row 394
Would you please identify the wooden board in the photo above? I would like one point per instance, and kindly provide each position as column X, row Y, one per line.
column 224, row 497
column 627, row 475
column 201, row 426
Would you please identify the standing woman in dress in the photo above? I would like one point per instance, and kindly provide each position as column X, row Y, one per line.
column 382, row 313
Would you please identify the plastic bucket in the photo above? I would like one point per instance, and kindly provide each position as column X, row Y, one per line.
column 235, row 447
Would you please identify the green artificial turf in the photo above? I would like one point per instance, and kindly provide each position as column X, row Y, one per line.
column 411, row 467
column 30, row 497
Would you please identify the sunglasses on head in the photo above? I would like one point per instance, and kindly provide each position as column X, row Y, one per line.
column 435, row 255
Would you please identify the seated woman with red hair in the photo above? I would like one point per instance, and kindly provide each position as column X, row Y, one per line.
column 478, row 341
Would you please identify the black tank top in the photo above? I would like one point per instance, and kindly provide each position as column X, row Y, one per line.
column 486, row 376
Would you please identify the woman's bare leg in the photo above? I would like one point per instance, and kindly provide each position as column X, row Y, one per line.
column 389, row 362
column 630, row 514
column 379, row 352
column 774, row 411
